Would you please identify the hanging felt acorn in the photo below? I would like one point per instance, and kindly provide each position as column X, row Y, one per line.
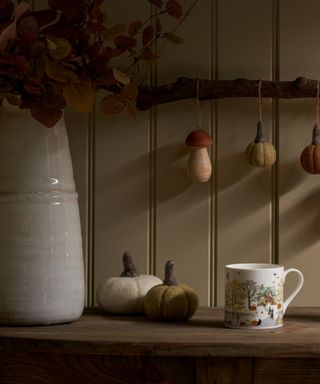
column 170, row 301
column 125, row 294
column 260, row 153
column 310, row 156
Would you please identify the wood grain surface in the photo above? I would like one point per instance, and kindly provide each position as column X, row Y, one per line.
column 203, row 335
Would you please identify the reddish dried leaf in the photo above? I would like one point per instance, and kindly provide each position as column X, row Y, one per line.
column 112, row 104
column 147, row 35
column 134, row 27
column 60, row 30
column 96, row 14
column 94, row 51
column 123, row 43
column 115, row 31
column 157, row 3
column 27, row 25
column 27, row 41
column 44, row 17
column 33, row 89
column 6, row 9
column 96, row 27
column 129, row 92
column 49, row 117
column 174, row 8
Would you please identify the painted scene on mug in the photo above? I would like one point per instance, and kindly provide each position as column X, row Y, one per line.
column 248, row 303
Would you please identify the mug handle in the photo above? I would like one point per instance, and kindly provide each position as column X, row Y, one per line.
column 295, row 291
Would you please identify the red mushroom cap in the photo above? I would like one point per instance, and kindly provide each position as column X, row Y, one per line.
column 198, row 138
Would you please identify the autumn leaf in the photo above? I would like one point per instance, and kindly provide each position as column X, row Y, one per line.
column 59, row 48
column 57, row 72
column 147, row 35
column 173, row 38
column 129, row 92
column 112, row 104
column 157, row 3
column 115, row 31
column 47, row 116
column 120, row 76
column 134, row 27
column 125, row 43
column 174, row 8
column 80, row 96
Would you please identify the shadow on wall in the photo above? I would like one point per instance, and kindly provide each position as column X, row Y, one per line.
column 172, row 178
column 301, row 222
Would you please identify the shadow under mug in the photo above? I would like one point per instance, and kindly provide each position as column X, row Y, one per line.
column 254, row 295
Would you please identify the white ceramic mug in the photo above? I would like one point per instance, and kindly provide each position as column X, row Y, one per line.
column 254, row 295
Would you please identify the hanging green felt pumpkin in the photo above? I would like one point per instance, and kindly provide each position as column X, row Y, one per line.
column 171, row 301
column 310, row 156
column 261, row 153
column 125, row 294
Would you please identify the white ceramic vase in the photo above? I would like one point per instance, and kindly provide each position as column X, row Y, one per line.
column 41, row 264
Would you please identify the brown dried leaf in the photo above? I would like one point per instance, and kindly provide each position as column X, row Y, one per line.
column 80, row 96
column 173, row 38
column 59, row 48
column 112, row 104
column 134, row 27
column 129, row 92
column 174, row 8
column 57, row 72
column 120, row 76
column 46, row 115
column 147, row 35
column 116, row 30
column 157, row 3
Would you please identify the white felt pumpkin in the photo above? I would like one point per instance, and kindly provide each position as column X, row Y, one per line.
column 125, row 294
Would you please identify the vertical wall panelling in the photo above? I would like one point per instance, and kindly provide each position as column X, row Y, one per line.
column 121, row 172
column 245, row 45
column 274, row 239
column 299, row 225
column 182, row 207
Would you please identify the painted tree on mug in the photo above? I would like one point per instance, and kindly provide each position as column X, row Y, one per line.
column 251, row 290
column 235, row 296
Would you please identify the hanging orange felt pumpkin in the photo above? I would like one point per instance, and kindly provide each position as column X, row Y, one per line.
column 310, row 156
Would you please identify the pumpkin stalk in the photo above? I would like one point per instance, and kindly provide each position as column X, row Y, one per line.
column 261, row 133
column 129, row 267
column 169, row 278
column 316, row 135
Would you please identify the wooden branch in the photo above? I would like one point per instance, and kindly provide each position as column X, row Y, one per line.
column 185, row 88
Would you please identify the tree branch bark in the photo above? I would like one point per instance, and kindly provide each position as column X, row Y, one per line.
column 185, row 88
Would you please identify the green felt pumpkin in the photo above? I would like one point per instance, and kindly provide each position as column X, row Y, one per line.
column 170, row 301
column 260, row 153
column 310, row 156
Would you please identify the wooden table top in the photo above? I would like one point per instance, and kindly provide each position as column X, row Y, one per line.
column 203, row 335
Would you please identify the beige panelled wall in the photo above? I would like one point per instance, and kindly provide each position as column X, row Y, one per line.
column 131, row 177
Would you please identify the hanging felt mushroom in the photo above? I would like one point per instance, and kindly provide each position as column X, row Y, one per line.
column 199, row 163
column 310, row 156
column 198, row 141
column 170, row 301
column 261, row 153
column 125, row 294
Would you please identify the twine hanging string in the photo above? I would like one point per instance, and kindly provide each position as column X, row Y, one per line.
column 198, row 106
column 260, row 100
column 317, row 105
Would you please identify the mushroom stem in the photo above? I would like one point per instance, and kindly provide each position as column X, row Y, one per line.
column 169, row 278
column 316, row 135
column 129, row 267
column 199, row 165
column 261, row 134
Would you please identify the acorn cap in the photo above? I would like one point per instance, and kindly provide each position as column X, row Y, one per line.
column 198, row 138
